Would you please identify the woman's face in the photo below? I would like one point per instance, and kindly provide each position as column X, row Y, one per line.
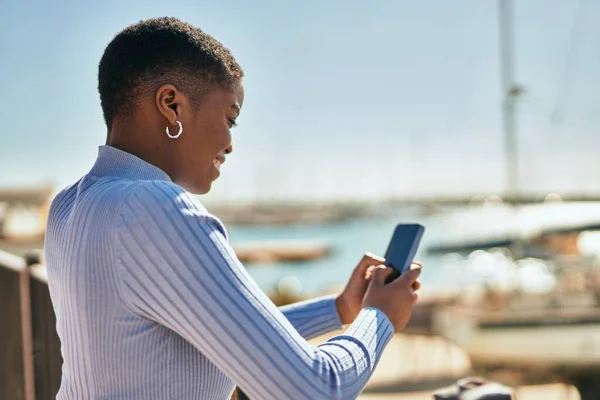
column 206, row 139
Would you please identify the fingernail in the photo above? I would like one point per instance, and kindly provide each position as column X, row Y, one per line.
column 369, row 254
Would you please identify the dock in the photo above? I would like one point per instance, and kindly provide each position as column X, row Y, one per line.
column 555, row 391
column 267, row 252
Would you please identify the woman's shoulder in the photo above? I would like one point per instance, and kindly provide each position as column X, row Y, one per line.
column 163, row 195
column 158, row 199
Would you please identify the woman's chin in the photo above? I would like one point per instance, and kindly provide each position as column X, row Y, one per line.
column 197, row 186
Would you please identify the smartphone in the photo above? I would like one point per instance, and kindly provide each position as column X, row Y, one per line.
column 402, row 248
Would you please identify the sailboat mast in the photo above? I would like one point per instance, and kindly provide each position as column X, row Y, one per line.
column 509, row 93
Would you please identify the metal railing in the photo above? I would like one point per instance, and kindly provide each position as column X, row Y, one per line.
column 30, row 360
column 47, row 359
column 16, row 376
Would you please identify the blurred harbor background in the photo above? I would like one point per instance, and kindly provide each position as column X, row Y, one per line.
column 478, row 119
column 522, row 315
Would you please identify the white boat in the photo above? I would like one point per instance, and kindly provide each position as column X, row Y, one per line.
column 542, row 338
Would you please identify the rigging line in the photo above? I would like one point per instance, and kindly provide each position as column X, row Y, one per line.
column 566, row 75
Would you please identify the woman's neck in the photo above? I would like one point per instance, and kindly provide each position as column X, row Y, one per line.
column 137, row 141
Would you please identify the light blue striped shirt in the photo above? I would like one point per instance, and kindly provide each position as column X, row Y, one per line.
column 152, row 303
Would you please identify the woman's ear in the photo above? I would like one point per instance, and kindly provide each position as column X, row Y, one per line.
column 167, row 101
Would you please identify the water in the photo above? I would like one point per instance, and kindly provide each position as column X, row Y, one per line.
column 349, row 240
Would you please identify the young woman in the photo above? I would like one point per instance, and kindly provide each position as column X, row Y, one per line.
column 151, row 301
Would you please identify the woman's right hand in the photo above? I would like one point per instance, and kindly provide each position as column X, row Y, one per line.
column 395, row 299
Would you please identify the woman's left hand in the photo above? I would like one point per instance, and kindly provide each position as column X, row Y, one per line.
column 349, row 302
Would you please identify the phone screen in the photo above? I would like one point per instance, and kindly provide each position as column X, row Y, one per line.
column 403, row 247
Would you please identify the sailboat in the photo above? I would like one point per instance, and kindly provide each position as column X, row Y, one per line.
column 549, row 334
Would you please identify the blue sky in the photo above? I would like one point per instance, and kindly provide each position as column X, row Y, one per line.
column 343, row 98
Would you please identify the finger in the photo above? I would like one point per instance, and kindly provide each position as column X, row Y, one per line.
column 410, row 276
column 368, row 260
column 381, row 274
column 371, row 269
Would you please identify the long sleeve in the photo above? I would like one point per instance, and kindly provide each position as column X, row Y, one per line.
column 313, row 317
column 177, row 269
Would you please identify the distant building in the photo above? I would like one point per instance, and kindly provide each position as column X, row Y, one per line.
column 23, row 216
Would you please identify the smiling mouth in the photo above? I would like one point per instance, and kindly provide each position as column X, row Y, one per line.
column 217, row 163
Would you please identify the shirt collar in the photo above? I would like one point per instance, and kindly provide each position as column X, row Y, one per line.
column 118, row 163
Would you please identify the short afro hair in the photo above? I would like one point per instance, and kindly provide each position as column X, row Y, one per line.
column 158, row 51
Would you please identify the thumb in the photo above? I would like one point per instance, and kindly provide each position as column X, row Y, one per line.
column 381, row 274
column 410, row 277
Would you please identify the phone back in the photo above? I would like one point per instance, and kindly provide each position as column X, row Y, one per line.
column 403, row 246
